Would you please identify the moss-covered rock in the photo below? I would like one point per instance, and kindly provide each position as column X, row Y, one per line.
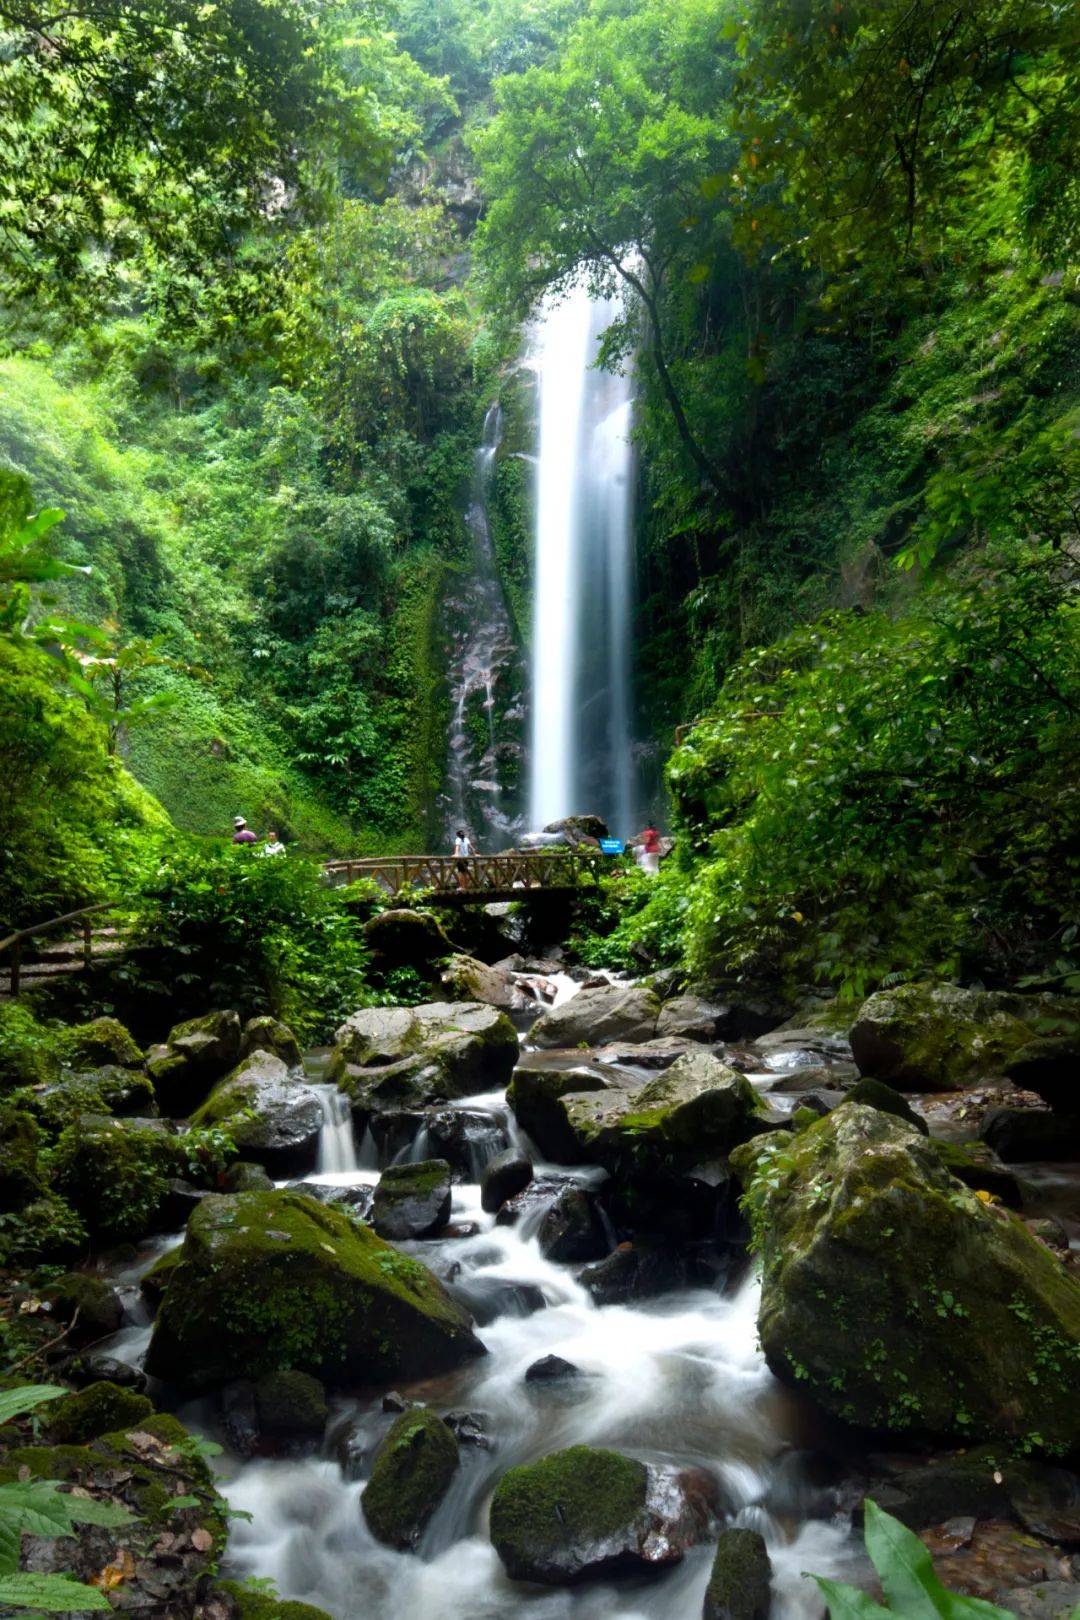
column 935, row 1037
column 389, row 1057
column 584, row 1512
column 99, row 1409
column 169, row 1549
column 267, row 1281
column 410, row 1475
column 291, row 1404
column 404, row 938
column 246, row 1604
column 978, row 1167
column 469, row 980
column 116, row 1173
column 266, row 1034
column 246, row 1177
column 89, row 1306
column 1038, row 1135
column 610, row 1012
column 900, row 1300
column 20, row 1178
column 1049, row 1066
column 45, row 1229
column 738, row 1586
column 110, row 1090
column 103, row 1041
column 412, row 1200
column 535, row 1095
column 28, row 1050
column 196, row 1055
column 272, row 1118
column 875, row 1094
column 154, row 1282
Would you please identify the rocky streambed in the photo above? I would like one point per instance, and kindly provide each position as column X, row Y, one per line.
column 475, row 1323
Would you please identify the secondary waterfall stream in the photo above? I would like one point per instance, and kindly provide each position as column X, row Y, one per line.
column 582, row 755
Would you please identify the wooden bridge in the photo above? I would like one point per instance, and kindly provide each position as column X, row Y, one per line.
column 474, row 880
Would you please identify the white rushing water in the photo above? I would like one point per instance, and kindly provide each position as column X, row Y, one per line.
column 581, row 755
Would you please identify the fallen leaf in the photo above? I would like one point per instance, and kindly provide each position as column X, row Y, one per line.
column 202, row 1540
column 123, row 1569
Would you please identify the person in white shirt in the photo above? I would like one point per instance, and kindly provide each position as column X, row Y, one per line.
column 463, row 849
column 273, row 845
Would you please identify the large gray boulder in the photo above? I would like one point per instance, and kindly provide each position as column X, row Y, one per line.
column 936, row 1037
column 900, row 1300
column 583, row 1513
column 272, row 1280
column 610, row 1012
column 273, row 1119
column 390, row 1057
column 693, row 1018
column 470, row 980
column 196, row 1055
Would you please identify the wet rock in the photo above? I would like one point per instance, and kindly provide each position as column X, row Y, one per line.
column 243, row 1176
column 1044, row 1600
column 505, row 1176
column 488, row 1298
column 1050, row 1067
column 239, row 1602
column 89, row 1306
column 469, row 980
column 394, row 1401
column 615, row 1012
column 920, row 1494
column 98, row 1409
column 101, row 1042
column 978, row 1167
column 587, row 830
column 738, row 1586
column 584, row 1513
column 98, row 1367
column 877, row 1095
column 412, row 1200
column 179, row 1199
column 469, row 1429
column 272, row 1118
column 240, row 1417
column 570, row 1231
column 291, row 1405
column 468, row 1139
column 659, row 1053
column 634, row 1272
column 1049, row 1230
column 266, row 1034
column 411, row 1473
column 818, row 1077
column 1035, row 1135
column 353, row 1201
column 404, row 938
column 153, row 1283
column 693, row 1018
column 110, row 1090
column 435, row 1052
column 550, row 1368
column 1046, row 1501
column 927, row 1037
column 197, row 1054
column 272, row 1280
column 535, row 1094
column 899, row 1300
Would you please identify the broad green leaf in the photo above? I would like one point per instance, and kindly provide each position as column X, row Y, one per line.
column 14, row 1402
column 58, row 1594
column 847, row 1602
column 10, row 1541
column 907, row 1573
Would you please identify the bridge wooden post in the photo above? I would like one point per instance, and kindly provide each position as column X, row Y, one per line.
column 16, row 967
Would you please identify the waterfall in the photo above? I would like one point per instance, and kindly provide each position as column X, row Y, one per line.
column 582, row 756
column 482, row 668
column 337, row 1145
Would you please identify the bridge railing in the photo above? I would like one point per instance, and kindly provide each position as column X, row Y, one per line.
column 452, row 876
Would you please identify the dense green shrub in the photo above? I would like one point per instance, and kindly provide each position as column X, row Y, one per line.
column 29, row 1054
column 255, row 933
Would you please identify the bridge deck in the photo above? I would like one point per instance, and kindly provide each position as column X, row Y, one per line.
column 476, row 879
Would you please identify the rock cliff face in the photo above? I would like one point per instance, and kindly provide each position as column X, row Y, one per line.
column 900, row 1299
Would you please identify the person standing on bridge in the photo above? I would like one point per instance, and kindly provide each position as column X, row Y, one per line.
column 464, row 848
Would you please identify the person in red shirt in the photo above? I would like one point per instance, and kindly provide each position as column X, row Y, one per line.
column 650, row 849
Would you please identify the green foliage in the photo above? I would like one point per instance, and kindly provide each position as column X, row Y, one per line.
column 260, row 935
column 875, row 795
column 907, row 1577
column 29, row 1052
column 38, row 1507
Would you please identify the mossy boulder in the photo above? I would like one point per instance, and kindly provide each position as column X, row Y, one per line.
column 692, row 1018
column 20, row 1139
column 88, row 1306
column 899, row 1299
column 45, row 1229
column 291, row 1404
column 266, row 1034
column 410, row 1475
column 412, row 1200
column 116, row 1173
column 535, row 1095
column 272, row 1118
column 610, row 1012
column 267, row 1281
column 154, row 1282
column 978, row 1167
column 100, row 1408
column 101, row 1042
column 243, row 1176
column 387, row 1057
column 404, row 938
column 739, row 1583
column 110, row 1090
column 583, row 1513
column 1038, row 1135
column 875, row 1094
column 1049, row 1066
column 936, row 1037
column 195, row 1056
column 149, row 1468
column 469, row 980
column 245, row 1604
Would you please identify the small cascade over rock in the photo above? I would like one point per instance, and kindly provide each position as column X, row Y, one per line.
column 337, row 1144
column 486, row 681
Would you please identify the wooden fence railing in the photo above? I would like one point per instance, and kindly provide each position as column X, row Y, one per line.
column 477, row 877
column 81, row 953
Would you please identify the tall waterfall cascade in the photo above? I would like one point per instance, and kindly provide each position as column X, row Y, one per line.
column 582, row 757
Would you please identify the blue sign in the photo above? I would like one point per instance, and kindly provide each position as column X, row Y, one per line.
column 612, row 846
